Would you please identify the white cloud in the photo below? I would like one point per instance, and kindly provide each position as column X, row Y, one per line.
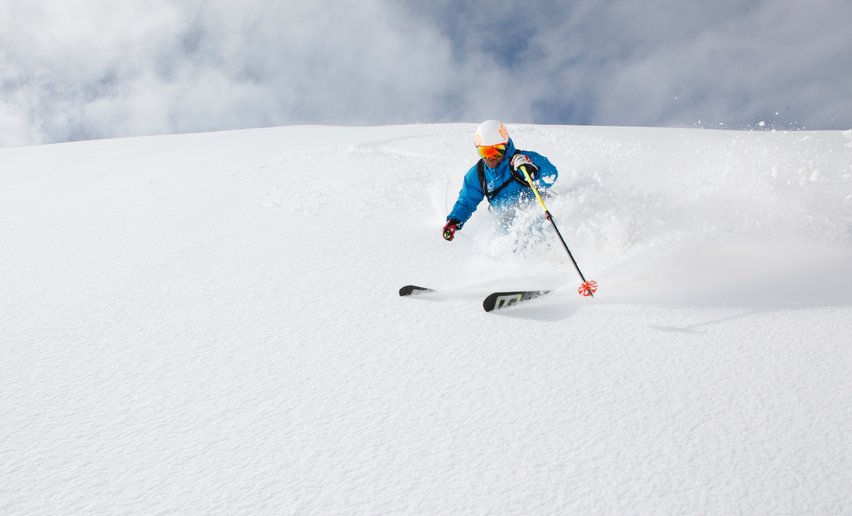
column 97, row 68
column 110, row 69
column 673, row 63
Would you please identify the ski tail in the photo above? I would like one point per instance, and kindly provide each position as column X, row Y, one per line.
column 413, row 290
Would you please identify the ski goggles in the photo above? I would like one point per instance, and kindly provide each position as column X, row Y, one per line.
column 492, row 151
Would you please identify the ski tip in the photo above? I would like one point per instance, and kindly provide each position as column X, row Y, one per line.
column 410, row 290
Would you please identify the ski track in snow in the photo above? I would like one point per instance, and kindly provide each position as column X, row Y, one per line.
column 209, row 323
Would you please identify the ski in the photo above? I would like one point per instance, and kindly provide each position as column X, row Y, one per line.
column 412, row 290
column 493, row 301
column 499, row 300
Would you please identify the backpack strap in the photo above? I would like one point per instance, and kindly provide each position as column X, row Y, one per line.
column 480, row 171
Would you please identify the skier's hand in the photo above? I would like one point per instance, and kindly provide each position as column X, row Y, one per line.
column 450, row 229
column 522, row 160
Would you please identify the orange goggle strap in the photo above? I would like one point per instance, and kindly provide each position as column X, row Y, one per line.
column 491, row 151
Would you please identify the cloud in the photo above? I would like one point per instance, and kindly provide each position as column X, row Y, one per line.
column 97, row 68
column 109, row 69
column 776, row 57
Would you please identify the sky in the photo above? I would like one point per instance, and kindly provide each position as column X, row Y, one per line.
column 99, row 69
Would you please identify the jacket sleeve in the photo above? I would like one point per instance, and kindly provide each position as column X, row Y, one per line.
column 470, row 196
column 547, row 173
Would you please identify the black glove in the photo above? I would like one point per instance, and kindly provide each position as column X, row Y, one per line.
column 519, row 160
column 450, row 229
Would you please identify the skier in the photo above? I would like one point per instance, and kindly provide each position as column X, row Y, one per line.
column 498, row 177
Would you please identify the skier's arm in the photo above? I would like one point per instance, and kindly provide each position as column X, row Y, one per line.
column 542, row 171
column 470, row 196
column 547, row 173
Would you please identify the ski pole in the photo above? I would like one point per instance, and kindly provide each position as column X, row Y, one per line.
column 587, row 288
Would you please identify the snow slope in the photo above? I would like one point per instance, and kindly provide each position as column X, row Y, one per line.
column 209, row 323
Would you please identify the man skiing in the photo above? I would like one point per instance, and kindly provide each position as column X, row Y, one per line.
column 498, row 177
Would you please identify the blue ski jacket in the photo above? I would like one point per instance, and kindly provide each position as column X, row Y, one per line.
column 471, row 193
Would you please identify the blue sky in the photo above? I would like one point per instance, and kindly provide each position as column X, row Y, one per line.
column 98, row 68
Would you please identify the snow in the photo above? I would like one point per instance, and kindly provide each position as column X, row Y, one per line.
column 209, row 323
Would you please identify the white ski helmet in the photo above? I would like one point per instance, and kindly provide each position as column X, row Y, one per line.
column 491, row 132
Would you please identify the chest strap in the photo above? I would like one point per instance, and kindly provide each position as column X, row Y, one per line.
column 480, row 171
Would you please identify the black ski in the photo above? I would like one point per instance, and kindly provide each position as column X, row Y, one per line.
column 499, row 300
column 412, row 290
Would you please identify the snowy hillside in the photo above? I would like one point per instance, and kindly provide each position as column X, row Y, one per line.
column 209, row 323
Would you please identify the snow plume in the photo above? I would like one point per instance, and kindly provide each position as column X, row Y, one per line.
column 209, row 323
